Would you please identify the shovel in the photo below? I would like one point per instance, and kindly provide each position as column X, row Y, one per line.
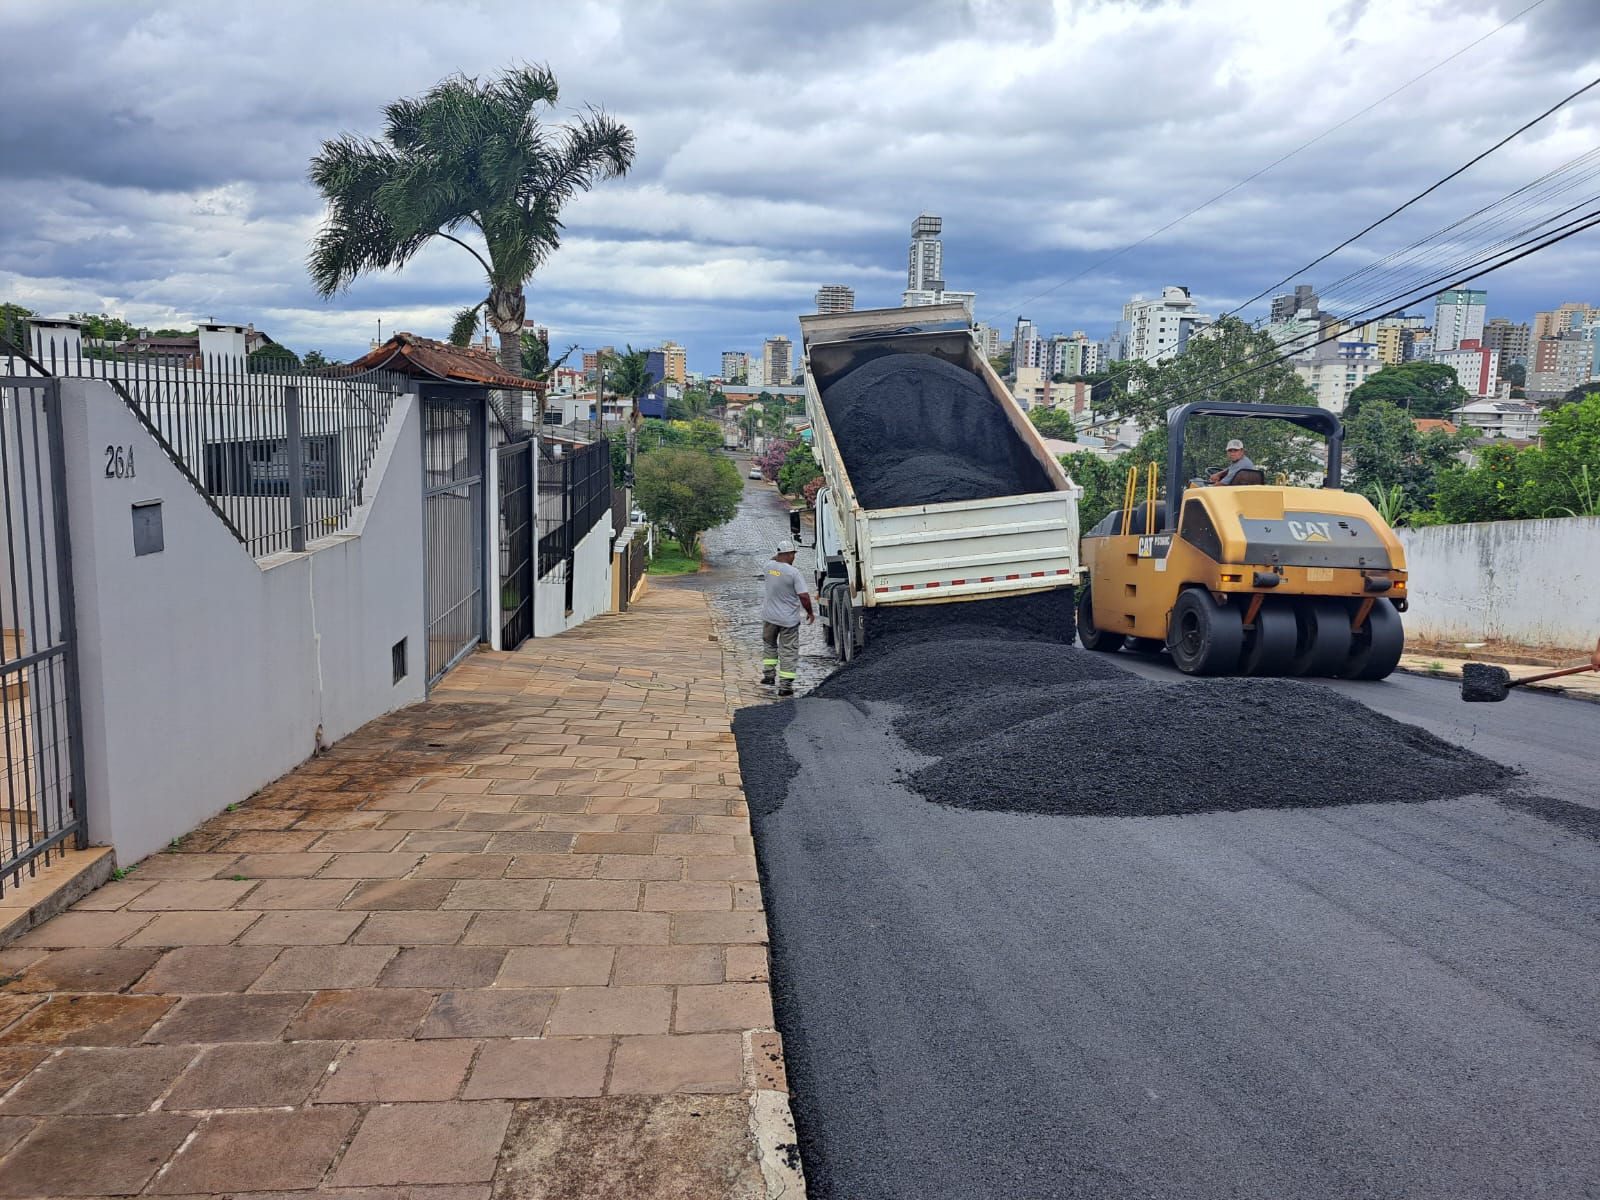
column 1485, row 684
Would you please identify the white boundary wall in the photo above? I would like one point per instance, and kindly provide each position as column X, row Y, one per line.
column 206, row 675
column 1532, row 582
column 591, row 589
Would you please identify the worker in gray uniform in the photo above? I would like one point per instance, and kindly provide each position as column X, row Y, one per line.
column 1237, row 461
column 785, row 597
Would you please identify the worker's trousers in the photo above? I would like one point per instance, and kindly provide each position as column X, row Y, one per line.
column 783, row 650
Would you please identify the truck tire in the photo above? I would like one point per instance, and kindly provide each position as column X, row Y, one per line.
column 828, row 594
column 1376, row 647
column 1204, row 637
column 1271, row 647
column 1322, row 641
column 1091, row 636
column 844, row 636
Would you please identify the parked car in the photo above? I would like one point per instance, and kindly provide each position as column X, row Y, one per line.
column 755, row 472
column 637, row 516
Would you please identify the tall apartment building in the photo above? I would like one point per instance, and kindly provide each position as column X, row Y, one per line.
column 925, row 271
column 674, row 366
column 735, row 366
column 925, row 268
column 1477, row 367
column 1511, row 342
column 1458, row 317
column 835, row 298
column 1157, row 330
column 1073, row 354
column 1559, row 364
column 1335, row 369
column 1027, row 350
column 776, row 358
column 1564, row 319
column 988, row 339
column 1286, row 305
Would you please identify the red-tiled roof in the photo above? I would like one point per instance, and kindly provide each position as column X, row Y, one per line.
column 1424, row 424
column 425, row 358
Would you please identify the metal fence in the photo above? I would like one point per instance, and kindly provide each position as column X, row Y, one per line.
column 635, row 560
column 41, row 802
column 574, row 496
column 281, row 456
column 516, row 543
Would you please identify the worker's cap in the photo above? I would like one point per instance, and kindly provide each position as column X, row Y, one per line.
column 787, row 547
column 1236, row 444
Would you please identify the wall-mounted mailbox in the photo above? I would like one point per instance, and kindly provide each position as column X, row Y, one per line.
column 147, row 535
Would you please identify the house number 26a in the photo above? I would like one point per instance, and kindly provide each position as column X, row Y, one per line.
column 119, row 462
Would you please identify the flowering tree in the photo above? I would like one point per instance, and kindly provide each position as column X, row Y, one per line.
column 809, row 492
column 772, row 458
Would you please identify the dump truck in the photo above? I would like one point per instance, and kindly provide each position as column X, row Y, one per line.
column 869, row 560
column 1257, row 577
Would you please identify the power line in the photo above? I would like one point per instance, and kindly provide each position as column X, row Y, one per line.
column 1396, row 304
column 1332, row 129
column 1429, row 190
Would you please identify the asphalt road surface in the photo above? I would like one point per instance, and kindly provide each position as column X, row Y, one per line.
column 1374, row 1001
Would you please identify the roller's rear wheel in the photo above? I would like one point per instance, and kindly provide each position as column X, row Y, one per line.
column 1376, row 647
column 1091, row 636
column 1322, row 637
column 1270, row 650
column 1205, row 638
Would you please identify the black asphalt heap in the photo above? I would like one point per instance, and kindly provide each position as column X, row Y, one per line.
column 914, row 429
column 1482, row 683
column 1152, row 749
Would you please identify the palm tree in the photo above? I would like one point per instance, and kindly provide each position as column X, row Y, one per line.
column 630, row 377
column 466, row 157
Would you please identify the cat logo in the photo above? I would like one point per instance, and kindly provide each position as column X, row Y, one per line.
column 1311, row 531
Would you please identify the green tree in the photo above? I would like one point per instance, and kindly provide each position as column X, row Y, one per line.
column 1576, row 395
column 1384, row 451
column 272, row 359
column 1002, row 362
column 1232, row 363
column 799, row 468
column 1515, row 373
column 106, row 328
column 14, row 323
column 1054, row 423
column 687, row 492
column 1102, row 482
column 1563, row 473
column 534, row 361
column 1423, row 389
column 315, row 360
column 464, row 156
column 1490, row 491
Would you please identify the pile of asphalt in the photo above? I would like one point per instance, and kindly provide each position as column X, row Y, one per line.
column 914, row 429
column 929, row 675
column 1482, row 683
column 1166, row 749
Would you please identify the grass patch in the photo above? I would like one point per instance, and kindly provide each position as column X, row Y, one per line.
column 669, row 559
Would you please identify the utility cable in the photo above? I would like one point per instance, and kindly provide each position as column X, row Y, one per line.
column 1253, row 176
column 1430, row 189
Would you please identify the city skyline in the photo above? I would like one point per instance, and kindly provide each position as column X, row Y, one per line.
column 151, row 204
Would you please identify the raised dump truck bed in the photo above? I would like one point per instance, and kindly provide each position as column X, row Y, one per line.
column 937, row 552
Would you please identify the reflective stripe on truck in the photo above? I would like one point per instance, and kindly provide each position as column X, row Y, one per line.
column 913, row 587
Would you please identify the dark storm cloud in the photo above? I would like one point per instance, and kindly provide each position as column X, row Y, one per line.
column 153, row 157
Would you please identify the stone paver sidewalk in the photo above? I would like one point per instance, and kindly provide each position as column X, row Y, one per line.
column 506, row 943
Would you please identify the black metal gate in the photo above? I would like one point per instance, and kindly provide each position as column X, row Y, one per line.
column 574, row 494
column 453, row 469
column 41, row 806
column 516, row 544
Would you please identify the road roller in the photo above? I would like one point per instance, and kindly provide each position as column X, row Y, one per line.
column 1250, row 577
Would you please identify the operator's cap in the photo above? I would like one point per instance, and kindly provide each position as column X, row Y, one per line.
column 787, row 547
column 1236, row 444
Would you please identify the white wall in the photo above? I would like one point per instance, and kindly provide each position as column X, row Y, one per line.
column 1532, row 582
column 591, row 589
column 205, row 675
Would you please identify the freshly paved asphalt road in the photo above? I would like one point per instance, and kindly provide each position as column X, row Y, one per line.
column 1379, row 1001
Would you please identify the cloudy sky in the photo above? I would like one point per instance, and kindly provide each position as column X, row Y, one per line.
column 153, row 155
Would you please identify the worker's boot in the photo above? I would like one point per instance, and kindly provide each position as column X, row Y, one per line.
column 785, row 687
column 767, row 679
